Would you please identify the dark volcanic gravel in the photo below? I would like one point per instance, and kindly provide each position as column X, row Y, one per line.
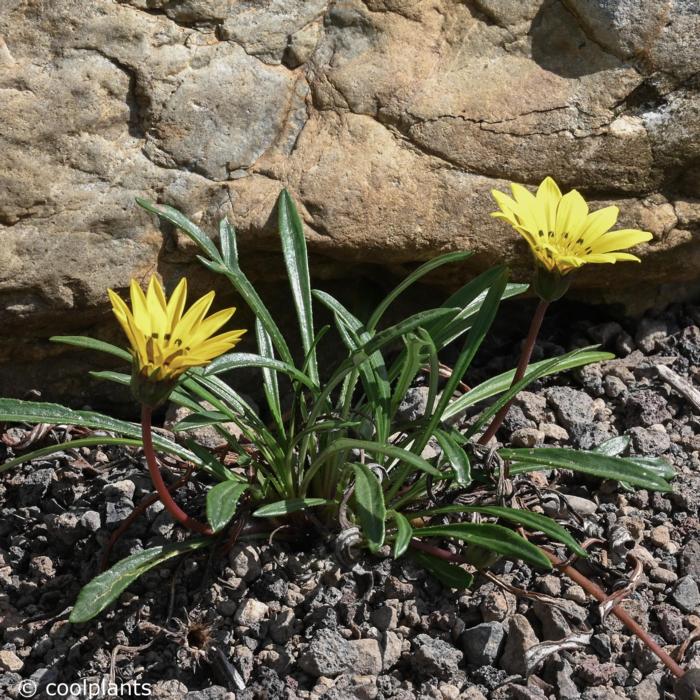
column 271, row 622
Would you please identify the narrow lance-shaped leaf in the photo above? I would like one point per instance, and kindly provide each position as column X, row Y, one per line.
column 296, row 259
column 370, row 508
column 106, row 588
column 492, row 537
column 270, row 385
column 222, row 501
column 602, row 466
column 404, row 533
column 530, row 520
column 290, row 505
column 450, row 575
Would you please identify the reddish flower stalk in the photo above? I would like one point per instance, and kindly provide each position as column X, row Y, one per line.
column 166, row 499
column 591, row 588
column 525, row 355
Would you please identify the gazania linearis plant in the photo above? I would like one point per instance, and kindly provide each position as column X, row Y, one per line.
column 340, row 456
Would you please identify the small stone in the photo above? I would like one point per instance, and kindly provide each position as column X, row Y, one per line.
column 614, row 386
column 9, row 661
column 566, row 687
column 572, row 407
column 120, row 489
column 42, row 568
column 554, row 624
column 521, row 637
column 661, row 575
column 690, row 559
column 671, row 623
column 660, row 536
column 533, row 406
column 649, row 442
column 482, row 644
column 550, row 585
column 385, row 618
column 245, row 562
column 496, row 605
column 250, row 613
column 414, row 404
column 329, row 654
column 592, row 672
column 576, row 594
column 167, row 690
column 34, row 486
column 435, row 657
column 686, row 594
column 449, row 691
column 392, row 648
column 91, row 520
column 555, row 432
column 527, row 437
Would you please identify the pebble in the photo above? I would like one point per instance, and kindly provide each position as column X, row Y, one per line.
column 434, row 657
column 661, row 575
column 554, row 432
column 527, row 437
column 572, row 407
column 660, row 536
column 576, row 594
column 9, row 661
column 650, row 442
column 520, row 638
column 614, row 386
column 483, row 643
column 251, row 612
column 686, row 595
column 329, row 654
column 533, row 406
column 245, row 562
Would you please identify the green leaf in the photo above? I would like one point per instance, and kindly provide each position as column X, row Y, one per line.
column 512, row 391
column 404, row 533
column 184, row 224
column 533, row 521
column 602, row 466
column 222, row 501
column 450, row 575
column 423, row 270
column 236, row 360
column 495, row 538
column 476, row 335
column 199, row 420
column 373, row 448
column 227, row 241
column 296, row 259
column 18, row 411
column 106, row 588
column 370, row 508
column 456, row 456
column 92, row 344
column 502, row 382
column 270, row 385
column 614, row 446
column 290, row 505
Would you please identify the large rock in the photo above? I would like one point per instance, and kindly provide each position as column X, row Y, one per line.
column 389, row 121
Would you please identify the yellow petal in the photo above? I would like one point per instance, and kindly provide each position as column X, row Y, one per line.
column 571, row 216
column 530, row 213
column 597, row 224
column 176, row 304
column 156, row 304
column 548, row 196
column 192, row 318
column 140, row 308
column 210, row 325
column 619, row 240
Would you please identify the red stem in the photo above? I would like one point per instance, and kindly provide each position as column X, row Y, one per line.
column 166, row 499
column 631, row 624
column 525, row 355
column 591, row 588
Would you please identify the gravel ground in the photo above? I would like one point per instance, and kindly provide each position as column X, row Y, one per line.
column 271, row 622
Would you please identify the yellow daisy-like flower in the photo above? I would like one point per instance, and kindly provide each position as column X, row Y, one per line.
column 561, row 232
column 165, row 339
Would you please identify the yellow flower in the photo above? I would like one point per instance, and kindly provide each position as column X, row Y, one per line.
column 165, row 340
column 561, row 233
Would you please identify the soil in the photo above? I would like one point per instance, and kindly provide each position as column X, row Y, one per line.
column 276, row 621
